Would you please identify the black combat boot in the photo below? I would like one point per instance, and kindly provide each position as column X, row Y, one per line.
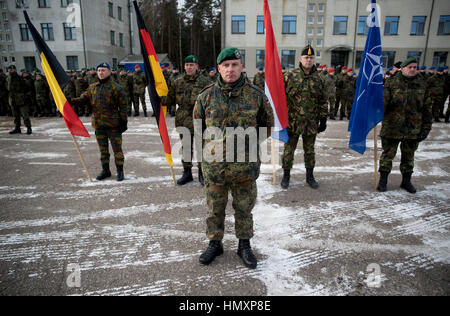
column 437, row 120
column 406, row 183
column 136, row 113
column 447, row 117
column 120, row 176
column 186, row 177
column 214, row 249
column 286, row 178
column 16, row 131
column 310, row 178
column 200, row 177
column 382, row 184
column 29, row 131
column 145, row 113
column 246, row 254
column 106, row 173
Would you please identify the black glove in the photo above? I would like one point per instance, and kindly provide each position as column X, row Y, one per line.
column 123, row 127
column 322, row 125
column 422, row 136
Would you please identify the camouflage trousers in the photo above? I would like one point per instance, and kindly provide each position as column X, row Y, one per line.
column 346, row 107
column 187, row 163
column 332, row 102
column 42, row 107
column 19, row 112
column 140, row 97
column 244, row 200
column 438, row 106
column 408, row 148
column 103, row 135
column 308, row 148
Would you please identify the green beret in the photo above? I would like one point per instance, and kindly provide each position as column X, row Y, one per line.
column 12, row 67
column 230, row 53
column 408, row 61
column 308, row 51
column 191, row 59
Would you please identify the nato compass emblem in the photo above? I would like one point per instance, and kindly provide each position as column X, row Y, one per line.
column 373, row 69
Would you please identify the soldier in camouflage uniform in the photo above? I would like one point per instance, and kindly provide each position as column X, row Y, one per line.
column 69, row 90
column 407, row 121
column 348, row 92
column 260, row 79
column 81, row 86
column 91, row 79
column 124, row 82
column 330, row 88
column 436, row 86
column 139, row 84
column 184, row 91
column 42, row 94
column 231, row 102
column 109, row 118
column 213, row 75
column 340, row 76
column 16, row 87
column 423, row 73
column 308, row 112
column 4, row 107
column 29, row 93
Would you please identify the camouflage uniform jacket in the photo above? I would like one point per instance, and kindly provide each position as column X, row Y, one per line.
column 109, row 104
column 348, row 88
column 306, row 100
column 222, row 106
column 80, row 85
column 16, row 88
column 436, row 86
column 339, row 83
column 184, row 92
column 69, row 90
column 29, row 88
column 330, row 86
column 91, row 79
column 42, row 89
column 407, row 108
column 124, row 83
column 139, row 82
column 260, row 80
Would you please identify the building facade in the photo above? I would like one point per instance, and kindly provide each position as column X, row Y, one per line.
column 337, row 30
column 81, row 33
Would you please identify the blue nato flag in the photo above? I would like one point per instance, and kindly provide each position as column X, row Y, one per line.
column 368, row 103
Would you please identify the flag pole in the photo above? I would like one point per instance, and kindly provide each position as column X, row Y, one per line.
column 173, row 176
column 375, row 140
column 81, row 157
column 274, row 163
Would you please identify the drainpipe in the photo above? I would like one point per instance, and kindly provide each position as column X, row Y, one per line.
column 428, row 35
column 354, row 37
column 84, row 38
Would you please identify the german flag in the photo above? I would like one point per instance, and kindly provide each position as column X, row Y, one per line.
column 57, row 79
column 156, row 82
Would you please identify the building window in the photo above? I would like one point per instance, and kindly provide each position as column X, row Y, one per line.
column 260, row 24
column 47, row 31
column 121, row 43
column 418, row 25
column 320, row 31
column 43, row 4
column 113, row 38
column 6, row 25
column 363, row 28
column 242, row 51
column 309, row 42
column 72, row 62
column 320, row 19
column 391, row 25
column 114, row 63
column 238, row 24
column 289, row 24
column 69, row 32
column 358, row 58
column 320, row 8
column 319, row 43
column 310, row 31
column 30, row 63
column 340, row 25
column 288, row 58
column 119, row 13
column 111, row 9
column 25, row 34
column 310, row 20
column 2, row 5
column 260, row 57
column 440, row 59
column 311, row 8
column 66, row 3
column 416, row 55
column 444, row 25
column 5, row 17
column 318, row 54
column 388, row 58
